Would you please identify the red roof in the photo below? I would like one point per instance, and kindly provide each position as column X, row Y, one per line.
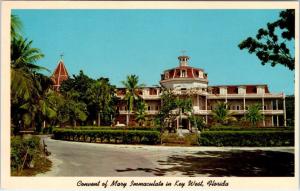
column 59, row 75
column 250, row 89
column 191, row 72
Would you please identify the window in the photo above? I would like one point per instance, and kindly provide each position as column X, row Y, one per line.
column 140, row 92
column 237, row 107
column 153, row 91
column 265, row 107
column 167, row 75
column 125, row 108
column 149, row 108
column 157, row 107
column 183, row 73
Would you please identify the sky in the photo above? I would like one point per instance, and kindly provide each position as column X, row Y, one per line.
column 116, row 43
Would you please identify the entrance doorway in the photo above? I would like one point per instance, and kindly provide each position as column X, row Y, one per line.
column 185, row 123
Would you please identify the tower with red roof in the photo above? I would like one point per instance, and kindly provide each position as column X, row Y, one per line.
column 59, row 75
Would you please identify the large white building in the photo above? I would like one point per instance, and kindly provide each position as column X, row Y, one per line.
column 187, row 81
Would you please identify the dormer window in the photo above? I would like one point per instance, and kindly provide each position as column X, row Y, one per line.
column 167, row 75
column 183, row 73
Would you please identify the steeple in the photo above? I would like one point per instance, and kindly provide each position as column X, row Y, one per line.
column 59, row 75
column 183, row 60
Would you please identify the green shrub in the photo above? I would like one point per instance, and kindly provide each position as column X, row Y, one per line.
column 23, row 151
column 108, row 136
column 174, row 138
column 238, row 128
column 113, row 128
column 247, row 138
column 191, row 139
column 48, row 130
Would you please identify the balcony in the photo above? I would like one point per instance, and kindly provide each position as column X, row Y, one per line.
column 241, row 96
column 149, row 112
column 238, row 112
column 145, row 97
column 189, row 92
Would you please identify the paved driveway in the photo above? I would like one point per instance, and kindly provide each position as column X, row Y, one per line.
column 90, row 159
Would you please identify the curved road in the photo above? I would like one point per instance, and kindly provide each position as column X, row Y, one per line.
column 91, row 159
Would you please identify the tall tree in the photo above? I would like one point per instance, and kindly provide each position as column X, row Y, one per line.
column 290, row 110
column 27, row 84
column 172, row 108
column 74, row 108
column 268, row 47
column 183, row 105
column 80, row 83
column 132, row 95
column 101, row 95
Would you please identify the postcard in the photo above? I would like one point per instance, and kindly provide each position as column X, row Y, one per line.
column 149, row 95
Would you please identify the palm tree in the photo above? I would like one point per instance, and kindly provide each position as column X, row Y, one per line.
column 221, row 114
column 15, row 26
column 38, row 108
column 132, row 86
column 27, row 85
column 141, row 112
column 253, row 114
column 24, row 56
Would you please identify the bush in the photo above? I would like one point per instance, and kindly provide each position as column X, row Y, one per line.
column 237, row 128
column 175, row 139
column 191, row 139
column 108, row 136
column 172, row 138
column 48, row 130
column 23, row 152
column 114, row 128
column 247, row 138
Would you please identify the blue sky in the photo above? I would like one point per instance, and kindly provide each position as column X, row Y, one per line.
column 115, row 43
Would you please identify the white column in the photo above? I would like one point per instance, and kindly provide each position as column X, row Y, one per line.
column 198, row 101
column 277, row 120
column 263, row 109
column 244, row 100
column 206, row 120
column 272, row 120
column 276, row 104
column 284, row 111
column 272, row 106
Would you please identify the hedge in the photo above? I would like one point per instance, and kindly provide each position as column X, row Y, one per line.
column 108, row 136
column 23, row 151
column 231, row 128
column 247, row 138
column 114, row 128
